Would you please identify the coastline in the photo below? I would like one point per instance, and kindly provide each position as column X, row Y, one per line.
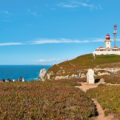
column 29, row 72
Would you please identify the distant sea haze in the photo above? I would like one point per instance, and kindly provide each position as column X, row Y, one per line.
column 29, row 72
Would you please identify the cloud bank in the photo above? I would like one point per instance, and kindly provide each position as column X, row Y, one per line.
column 50, row 60
column 55, row 41
column 60, row 41
column 51, row 41
column 78, row 3
column 11, row 44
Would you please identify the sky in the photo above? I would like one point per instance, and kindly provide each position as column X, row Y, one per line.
column 34, row 32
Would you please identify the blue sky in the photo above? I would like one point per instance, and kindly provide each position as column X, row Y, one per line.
column 51, row 31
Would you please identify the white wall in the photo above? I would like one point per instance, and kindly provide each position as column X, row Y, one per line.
column 106, row 52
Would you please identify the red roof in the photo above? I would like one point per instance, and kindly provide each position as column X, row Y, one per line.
column 115, row 47
column 100, row 47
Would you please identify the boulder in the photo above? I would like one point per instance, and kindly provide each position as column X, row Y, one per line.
column 83, row 75
column 49, row 75
column 61, row 77
column 42, row 74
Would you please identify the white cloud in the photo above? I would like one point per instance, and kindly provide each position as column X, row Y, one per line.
column 85, row 4
column 5, row 12
column 69, row 6
column 66, row 5
column 49, row 60
column 11, row 44
column 63, row 40
column 5, row 16
column 98, row 40
column 52, row 41
column 33, row 13
column 75, row 4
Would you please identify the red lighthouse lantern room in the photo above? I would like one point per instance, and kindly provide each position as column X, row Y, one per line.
column 107, row 37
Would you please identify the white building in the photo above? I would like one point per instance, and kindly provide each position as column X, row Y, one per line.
column 108, row 49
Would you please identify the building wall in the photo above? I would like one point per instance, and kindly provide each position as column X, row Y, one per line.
column 106, row 52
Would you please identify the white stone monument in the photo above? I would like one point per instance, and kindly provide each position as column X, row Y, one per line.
column 90, row 76
column 42, row 74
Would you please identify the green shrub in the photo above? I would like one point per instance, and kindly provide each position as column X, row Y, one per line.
column 44, row 101
column 108, row 97
column 84, row 62
column 111, row 79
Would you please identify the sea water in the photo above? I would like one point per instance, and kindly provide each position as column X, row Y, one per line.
column 29, row 72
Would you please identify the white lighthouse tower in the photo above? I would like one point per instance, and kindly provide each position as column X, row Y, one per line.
column 108, row 50
column 108, row 42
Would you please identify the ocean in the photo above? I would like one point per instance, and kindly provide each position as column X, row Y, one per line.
column 29, row 72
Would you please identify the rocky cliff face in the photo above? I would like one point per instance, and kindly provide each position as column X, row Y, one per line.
column 42, row 74
column 78, row 67
column 98, row 72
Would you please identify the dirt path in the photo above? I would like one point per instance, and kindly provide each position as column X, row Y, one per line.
column 85, row 86
column 112, row 84
column 101, row 116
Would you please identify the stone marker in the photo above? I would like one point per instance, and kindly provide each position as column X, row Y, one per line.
column 90, row 76
column 42, row 74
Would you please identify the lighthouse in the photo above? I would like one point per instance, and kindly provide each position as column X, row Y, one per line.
column 108, row 42
column 108, row 50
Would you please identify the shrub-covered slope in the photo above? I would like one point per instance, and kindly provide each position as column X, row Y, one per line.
column 44, row 101
column 108, row 97
column 84, row 62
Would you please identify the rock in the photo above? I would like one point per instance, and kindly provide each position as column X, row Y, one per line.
column 83, row 75
column 90, row 76
column 42, row 74
column 49, row 74
column 101, row 74
column 61, row 77
column 66, row 77
column 74, row 76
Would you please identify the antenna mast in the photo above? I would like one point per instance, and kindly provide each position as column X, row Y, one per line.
column 115, row 34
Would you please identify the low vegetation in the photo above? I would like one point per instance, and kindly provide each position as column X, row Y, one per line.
column 84, row 62
column 69, row 82
column 113, row 79
column 44, row 101
column 108, row 97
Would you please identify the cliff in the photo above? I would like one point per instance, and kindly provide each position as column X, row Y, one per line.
column 102, row 64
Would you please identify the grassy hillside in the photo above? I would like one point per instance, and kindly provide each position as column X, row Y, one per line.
column 108, row 97
column 84, row 62
column 44, row 101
